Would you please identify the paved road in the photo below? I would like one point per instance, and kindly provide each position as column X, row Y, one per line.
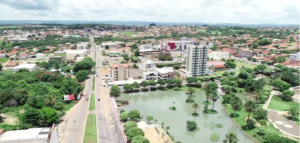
column 108, row 130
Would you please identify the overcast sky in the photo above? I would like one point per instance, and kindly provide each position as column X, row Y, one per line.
column 204, row 11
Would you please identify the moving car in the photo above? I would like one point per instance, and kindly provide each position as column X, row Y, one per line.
column 98, row 99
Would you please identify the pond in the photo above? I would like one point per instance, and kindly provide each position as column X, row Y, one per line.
column 157, row 103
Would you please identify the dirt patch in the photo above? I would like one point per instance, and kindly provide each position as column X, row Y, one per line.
column 21, row 111
column 9, row 119
column 154, row 133
column 105, row 70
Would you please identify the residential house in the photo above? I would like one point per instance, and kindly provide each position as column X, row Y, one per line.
column 245, row 53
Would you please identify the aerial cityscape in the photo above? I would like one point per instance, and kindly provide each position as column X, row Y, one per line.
column 162, row 71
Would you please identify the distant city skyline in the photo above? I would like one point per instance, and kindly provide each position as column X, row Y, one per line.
column 201, row 11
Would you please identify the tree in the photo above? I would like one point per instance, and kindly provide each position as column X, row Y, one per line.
column 191, row 125
column 82, row 75
column 86, row 64
column 1, row 67
column 134, row 114
column 170, row 82
column 225, row 74
column 191, row 80
column 128, row 87
column 231, row 138
column 137, row 52
column 260, row 114
column 162, row 124
column 161, row 82
column 59, row 105
column 133, row 132
column 250, row 106
column 199, row 83
column 293, row 112
column 214, row 97
column 144, row 83
column 249, row 70
column 32, row 116
column 167, row 128
column 232, row 73
column 136, row 85
column 195, row 106
column 287, row 94
column 280, row 59
column 129, row 124
column 124, row 116
column 264, row 42
column 89, row 45
column 114, row 90
column 152, row 83
column 230, row 64
column 190, row 91
column 50, row 115
column 177, row 81
column 106, row 47
column 236, row 103
column 50, row 100
column 140, row 139
column 210, row 88
column 149, row 118
column 126, row 57
column 56, row 66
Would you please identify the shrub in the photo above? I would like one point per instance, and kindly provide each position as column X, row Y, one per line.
column 191, row 125
column 176, row 88
column 59, row 106
column 262, row 122
column 251, row 123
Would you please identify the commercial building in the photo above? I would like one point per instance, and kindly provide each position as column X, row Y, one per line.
column 245, row 53
column 30, row 67
column 152, row 75
column 176, row 45
column 148, row 65
column 18, row 39
column 33, row 135
column 147, row 49
column 82, row 45
column 218, row 55
column 295, row 56
column 71, row 54
column 165, row 73
column 119, row 72
column 40, row 56
column 196, row 59
column 110, row 45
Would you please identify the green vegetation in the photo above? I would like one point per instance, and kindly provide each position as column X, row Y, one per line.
column 69, row 106
column 277, row 103
column 214, row 137
column 92, row 102
column 168, row 65
column 210, row 111
column 206, row 103
column 3, row 60
column 93, row 83
column 129, row 33
column 63, row 54
column 219, row 125
column 90, row 134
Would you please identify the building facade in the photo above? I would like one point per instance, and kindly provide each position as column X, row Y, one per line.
column 165, row 73
column 295, row 56
column 219, row 55
column 176, row 45
column 119, row 72
column 196, row 59
column 245, row 53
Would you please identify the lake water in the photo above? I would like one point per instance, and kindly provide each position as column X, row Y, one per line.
column 157, row 103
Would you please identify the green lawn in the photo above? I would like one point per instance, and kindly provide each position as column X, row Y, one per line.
column 239, row 119
column 200, row 29
column 129, row 33
column 214, row 32
column 3, row 60
column 2, row 27
column 90, row 134
column 239, row 65
column 185, row 88
column 69, row 106
column 6, row 72
column 280, row 105
column 63, row 55
column 92, row 102
column 93, row 83
column 220, row 73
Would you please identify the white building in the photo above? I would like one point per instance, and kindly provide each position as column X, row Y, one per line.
column 196, row 59
column 165, row 73
column 82, row 45
column 148, row 48
column 71, row 54
column 148, row 65
column 40, row 56
column 176, row 45
column 30, row 67
column 295, row 56
column 152, row 75
column 110, row 45
column 33, row 135
column 219, row 55
column 78, row 59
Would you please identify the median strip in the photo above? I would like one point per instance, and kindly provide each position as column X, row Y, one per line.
column 92, row 102
column 90, row 134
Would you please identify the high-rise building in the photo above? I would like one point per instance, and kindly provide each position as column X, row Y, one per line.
column 196, row 58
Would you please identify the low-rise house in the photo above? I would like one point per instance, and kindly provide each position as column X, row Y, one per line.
column 295, row 56
column 82, row 45
column 245, row 53
column 36, row 135
column 148, row 65
column 165, row 73
column 110, row 45
column 218, row 55
column 71, row 54
column 151, row 75
column 40, row 56
column 215, row 63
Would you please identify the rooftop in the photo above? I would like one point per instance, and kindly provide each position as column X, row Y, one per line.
column 116, row 65
column 25, row 66
column 29, row 134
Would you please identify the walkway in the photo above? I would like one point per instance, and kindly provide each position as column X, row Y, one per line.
column 284, row 125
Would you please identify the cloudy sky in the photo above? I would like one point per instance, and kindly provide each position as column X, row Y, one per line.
column 205, row 11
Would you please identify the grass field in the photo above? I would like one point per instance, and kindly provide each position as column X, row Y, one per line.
column 239, row 119
column 3, row 60
column 214, row 32
column 129, row 33
column 90, row 134
column 2, row 27
column 92, row 102
column 280, row 105
column 239, row 65
column 201, row 30
column 93, row 83
column 63, row 55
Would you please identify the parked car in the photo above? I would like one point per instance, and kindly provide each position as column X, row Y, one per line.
column 98, row 99
column 87, row 99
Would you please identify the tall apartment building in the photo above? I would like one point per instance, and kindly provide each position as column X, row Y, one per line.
column 196, row 58
column 295, row 56
column 119, row 72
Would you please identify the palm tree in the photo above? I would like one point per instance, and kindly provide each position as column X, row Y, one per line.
column 50, row 100
column 162, row 124
column 250, row 106
column 208, row 91
column 236, row 103
column 231, row 138
column 257, row 93
column 214, row 97
column 195, row 106
column 167, row 128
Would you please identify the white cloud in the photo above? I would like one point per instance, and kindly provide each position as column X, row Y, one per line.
column 204, row 11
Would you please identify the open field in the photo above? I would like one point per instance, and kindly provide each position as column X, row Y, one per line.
column 280, row 105
column 2, row 27
column 129, row 33
column 3, row 60
column 214, row 32
column 201, row 30
column 90, row 134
